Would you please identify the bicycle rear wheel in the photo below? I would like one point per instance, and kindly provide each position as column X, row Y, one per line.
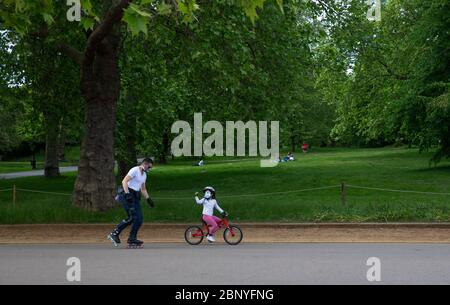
column 194, row 235
column 233, row 235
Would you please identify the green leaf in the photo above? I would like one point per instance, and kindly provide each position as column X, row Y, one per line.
column 86, row 5
column 250, row 8
column 182, row 7
column 87, row 23
column 137, row 9
column 136, row 23
column 20, row 6
column 164, row 9
column 280, row 5
column 48, row 18
column 187, row 9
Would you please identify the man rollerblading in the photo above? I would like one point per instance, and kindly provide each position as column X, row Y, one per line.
column 133, row 187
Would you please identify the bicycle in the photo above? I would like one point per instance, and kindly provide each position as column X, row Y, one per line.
column 232, row 235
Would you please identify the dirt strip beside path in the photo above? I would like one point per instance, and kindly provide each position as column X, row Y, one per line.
column 270, row 233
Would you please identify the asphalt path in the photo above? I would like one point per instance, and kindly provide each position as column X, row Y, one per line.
column 34, row 173
column 265, row 263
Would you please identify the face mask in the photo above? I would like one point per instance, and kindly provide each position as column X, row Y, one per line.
column 207, row 194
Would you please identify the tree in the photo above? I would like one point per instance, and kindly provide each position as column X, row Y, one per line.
column 398, row 89
column 9, row 135
column 35, row 67
column 100, row 79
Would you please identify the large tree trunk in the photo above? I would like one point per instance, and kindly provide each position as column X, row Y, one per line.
column 51, row 163
column 100, row 84
column 62, row 142
column 95, row 184
column 165, row 148
column 293, row 144
column 128, row 126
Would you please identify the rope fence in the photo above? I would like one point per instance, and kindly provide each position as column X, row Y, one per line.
column 43, row 192
column 343, row 188
column 394, row 190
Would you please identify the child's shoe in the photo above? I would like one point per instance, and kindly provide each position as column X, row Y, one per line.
column 211, row 238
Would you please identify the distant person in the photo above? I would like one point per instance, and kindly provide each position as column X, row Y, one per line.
column 199, row 163
column 289, row 157
column 305, row 147
column 133, row 187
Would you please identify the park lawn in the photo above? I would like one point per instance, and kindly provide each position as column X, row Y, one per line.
column 71, row 155
column 22, row 166
column 13, row 167
column 173, row 186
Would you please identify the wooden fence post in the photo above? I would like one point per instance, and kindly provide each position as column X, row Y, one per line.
column 14, row 195
column 343, row 194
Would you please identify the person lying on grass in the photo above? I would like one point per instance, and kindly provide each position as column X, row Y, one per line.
column 209, row 204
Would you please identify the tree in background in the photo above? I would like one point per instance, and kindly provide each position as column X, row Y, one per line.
column 48, row 86
column 100, row 78
column 397, row 91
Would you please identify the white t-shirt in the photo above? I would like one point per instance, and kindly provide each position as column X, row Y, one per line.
column 208, row 206
column 137, row 178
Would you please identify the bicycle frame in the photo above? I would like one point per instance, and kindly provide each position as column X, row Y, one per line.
column 205, row 229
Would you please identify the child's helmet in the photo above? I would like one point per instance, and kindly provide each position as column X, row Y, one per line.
column 212, row 190
column 209, row 188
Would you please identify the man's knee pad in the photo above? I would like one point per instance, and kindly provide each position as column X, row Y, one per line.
column 128, row 220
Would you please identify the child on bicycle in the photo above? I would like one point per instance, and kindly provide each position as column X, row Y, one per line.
column 209, row 204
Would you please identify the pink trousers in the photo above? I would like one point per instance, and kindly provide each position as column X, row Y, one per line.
column 213, row 221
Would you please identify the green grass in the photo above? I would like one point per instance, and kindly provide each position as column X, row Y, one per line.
column 394, row 168
column 14, row 167
column 22, row 164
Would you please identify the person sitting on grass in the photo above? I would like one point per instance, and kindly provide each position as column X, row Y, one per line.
column 199, row 163
column 289, row 157
column 209, row 204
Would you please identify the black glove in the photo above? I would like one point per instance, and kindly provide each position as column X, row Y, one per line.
column 129, row 198
column 224, row 214
column 150, row 202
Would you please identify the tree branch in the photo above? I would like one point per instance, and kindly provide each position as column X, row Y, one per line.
column 391, row 72
column 71, row 52
column 112, row 17
column 327, row 8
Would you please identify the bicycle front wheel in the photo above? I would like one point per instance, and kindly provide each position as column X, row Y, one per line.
column 233, row 235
